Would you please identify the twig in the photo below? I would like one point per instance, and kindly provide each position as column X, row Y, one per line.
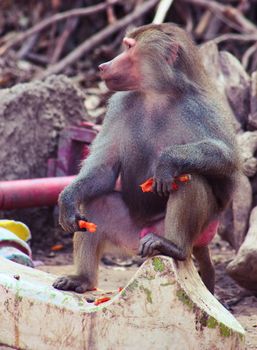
column 236, row 37
column 37, row 58
column 110, row 13
column 57, row 44
column 56, row 18
column 254, row 64
column 214, row 27
column 69, row 28
column 247, row 55
column 185, row 13
column 96, row 39
column 27, row 46
column 107, row 50
column 219, row 15
column 189, row 20
column 229, row 12
column 203, row 23
column 161, row 11
column 51, row 41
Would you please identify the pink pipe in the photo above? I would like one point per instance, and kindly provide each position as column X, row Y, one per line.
column 32, row 192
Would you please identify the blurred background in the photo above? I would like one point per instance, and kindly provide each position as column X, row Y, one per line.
column 36, row 36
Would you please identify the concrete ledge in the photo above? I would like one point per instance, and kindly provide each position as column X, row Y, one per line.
column 164, row 306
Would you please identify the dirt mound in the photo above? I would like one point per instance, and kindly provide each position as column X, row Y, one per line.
column 31, row 118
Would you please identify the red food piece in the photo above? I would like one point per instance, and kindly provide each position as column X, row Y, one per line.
column 101, row 300
column 89, row 226
column 147, row 185
column 174, row 186
column 57, row 247
column 184, row 178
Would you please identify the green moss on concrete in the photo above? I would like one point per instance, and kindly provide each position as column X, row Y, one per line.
column 132, row 286
column 241, row 337
column 65, row 300
column 148, row 294
column 148, row 277
column 158, row 264
column 123, row 293
column 202, row 319
column 52, row 295
column 205, row 320
column 167, row 284
column 224, row 330
column 212, row 322
column 18, row 297
column 182, row 296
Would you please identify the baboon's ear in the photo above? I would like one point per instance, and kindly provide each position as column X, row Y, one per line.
column 173, row 54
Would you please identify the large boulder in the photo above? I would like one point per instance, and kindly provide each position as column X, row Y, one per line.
column 31, row 117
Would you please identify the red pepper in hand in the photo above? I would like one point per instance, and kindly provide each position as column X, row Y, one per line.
column 89, row 226
column 184, row 178
column 148, row 184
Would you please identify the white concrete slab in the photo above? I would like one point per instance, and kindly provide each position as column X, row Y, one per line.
column 164, row 306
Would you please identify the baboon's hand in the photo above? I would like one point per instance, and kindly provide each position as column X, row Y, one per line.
column 164, row 175
column 68, row 216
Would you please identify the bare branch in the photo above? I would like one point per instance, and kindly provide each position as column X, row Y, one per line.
column 96, row 39
column 56, row 18
column 110, row 13
column 162, row 11
column 70, row 26
column 236, row 37
column 228, row 12
column 247, row 55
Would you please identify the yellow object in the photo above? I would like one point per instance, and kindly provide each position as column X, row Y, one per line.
column 18, row 228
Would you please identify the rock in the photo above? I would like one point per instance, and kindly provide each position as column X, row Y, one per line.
column 252, row 119
column 31, row 117
column 231, row 80
column 247, row 143
column 210, row 56
column 234, row 221
column 243, row 268
column 97, row 115
column 237, row 86
column 165, row 305
column 226, row 227
column 254, row 189
column 92, row 102
column 103, row 87
column 241, row 207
